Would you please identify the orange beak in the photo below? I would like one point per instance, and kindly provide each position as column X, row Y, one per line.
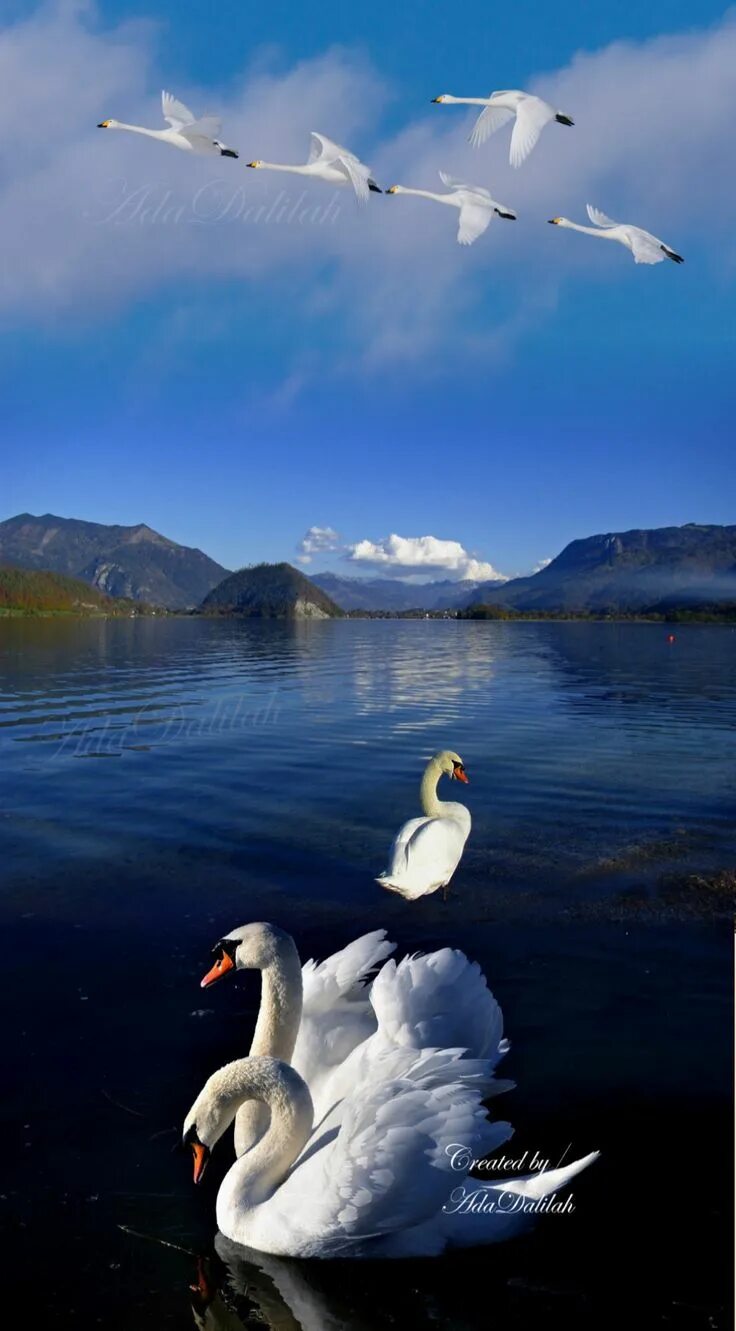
column 201, row 1155
column 221, row 967
column 461, row 776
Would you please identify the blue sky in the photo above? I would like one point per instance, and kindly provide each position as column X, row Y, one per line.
column 234, row 385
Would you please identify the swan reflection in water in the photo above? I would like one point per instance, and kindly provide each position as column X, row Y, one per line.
column 280, row 1293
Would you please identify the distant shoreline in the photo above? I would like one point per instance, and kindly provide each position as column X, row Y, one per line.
column 543, row 617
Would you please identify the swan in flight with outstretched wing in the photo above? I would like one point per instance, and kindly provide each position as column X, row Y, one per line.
column 645, row 247
column 531, row 113
column 185, row 131
column 427, row 851
column 476, row 206
column 390, row 1181
column 328, row 161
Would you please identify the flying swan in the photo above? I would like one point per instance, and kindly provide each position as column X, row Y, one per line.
column 645, row 247
column 330, row 1023
column 532, row 114
column 475, row 203
column 387, row 1183
column 185, row 131
column 328, row 161
column 427, row 851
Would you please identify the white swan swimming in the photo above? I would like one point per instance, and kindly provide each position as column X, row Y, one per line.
column 333, row 1034
column 427, row 851
column 312, row 1016
column 645, row 247
column 532, row 114
column 185, row 131
column 328, row 161
column 388, row 1182
column 477, row 208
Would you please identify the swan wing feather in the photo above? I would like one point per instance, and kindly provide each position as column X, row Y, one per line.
column 490, row 119
column 390, row 1167
column 475, row 218
column 531, row 117
column 439, row 999
column 598, row 218
column 175, row 111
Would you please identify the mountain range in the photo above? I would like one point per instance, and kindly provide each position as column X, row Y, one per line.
column 136, row 562
column 639, row 570
column 393, row 594
column 634, row 570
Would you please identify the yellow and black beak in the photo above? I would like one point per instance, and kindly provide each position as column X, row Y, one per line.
column 104, row 124
column 553, row 221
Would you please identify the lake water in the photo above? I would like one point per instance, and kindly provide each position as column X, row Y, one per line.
column 162, row 781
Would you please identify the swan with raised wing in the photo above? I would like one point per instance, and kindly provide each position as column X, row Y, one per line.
column 477, row 207
column 530, row 113
column 388, row 1182
column 185, row 130
column 312, row 1016
column 328, row 161
column 330, row 1024
column 427, row 850
column 645, row 247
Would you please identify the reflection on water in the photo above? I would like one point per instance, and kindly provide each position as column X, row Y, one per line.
column 163, row 781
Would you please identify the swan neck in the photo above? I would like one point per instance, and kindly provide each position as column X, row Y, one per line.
column 139, row 129
column 257, row 1174
column 280, row 1012
column 431, row 805
column 281, row 166
column 426, row 194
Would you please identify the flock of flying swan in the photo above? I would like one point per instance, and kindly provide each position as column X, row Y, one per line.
column 359, row 1110
column 338, row 166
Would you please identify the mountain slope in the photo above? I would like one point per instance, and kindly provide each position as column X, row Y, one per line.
column 269, row 591
column 34, row 591
column 631, row 570
column 136, row 562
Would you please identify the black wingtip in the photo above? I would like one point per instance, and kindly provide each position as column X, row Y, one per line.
column 564, row 120
column 374, row 188
column 676, row 258
column 228, row 152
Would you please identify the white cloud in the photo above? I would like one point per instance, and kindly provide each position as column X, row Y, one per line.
column 402, row 555
column 540, row 564
column 317, row 540
column 95, row 221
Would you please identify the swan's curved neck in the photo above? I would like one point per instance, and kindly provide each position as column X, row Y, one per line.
column 281, row 1004
column 257, row 1174
column 431, row 805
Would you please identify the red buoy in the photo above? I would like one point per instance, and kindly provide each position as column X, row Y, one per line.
column 670, row 637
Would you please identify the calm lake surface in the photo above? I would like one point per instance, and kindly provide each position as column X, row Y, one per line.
column 163, row 781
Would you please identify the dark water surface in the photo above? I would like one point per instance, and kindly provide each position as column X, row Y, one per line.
column 163, row 781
